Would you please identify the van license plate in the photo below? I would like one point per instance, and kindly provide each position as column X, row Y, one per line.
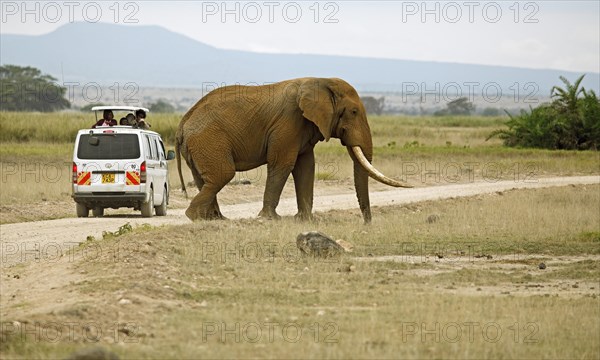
column 108, row 178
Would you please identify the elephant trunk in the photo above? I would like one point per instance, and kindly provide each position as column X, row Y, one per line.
column 362, row 170
column 361, row 185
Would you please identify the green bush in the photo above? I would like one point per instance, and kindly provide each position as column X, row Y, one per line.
column 571, row 121
column 27, row 89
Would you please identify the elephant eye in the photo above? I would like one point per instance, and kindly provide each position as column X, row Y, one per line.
column 354, row 112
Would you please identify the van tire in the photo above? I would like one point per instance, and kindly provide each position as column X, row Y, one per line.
column 148, row 207
column 82, row 210
column 161, row 210
column 98, row 212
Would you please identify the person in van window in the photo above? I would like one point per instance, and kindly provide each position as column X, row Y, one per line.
column 129, row 120
column 107, row 119
column 140, row 118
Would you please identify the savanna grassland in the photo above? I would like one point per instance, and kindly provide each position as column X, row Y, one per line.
column 514, row 274
column 36, row 157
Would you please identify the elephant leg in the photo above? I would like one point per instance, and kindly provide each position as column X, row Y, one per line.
column 304, row 181
column 278, row 172
column 214, row 211
column 204, row 205
column 197, row 178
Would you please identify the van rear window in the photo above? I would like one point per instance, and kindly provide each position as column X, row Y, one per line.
column 108, row 146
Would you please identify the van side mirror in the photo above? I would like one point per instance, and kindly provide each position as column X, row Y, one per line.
column 170, row 155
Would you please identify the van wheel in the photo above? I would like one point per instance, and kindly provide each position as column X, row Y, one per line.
column 82, row 210
column 161, row 210
column 98, row 212
column 148, row 207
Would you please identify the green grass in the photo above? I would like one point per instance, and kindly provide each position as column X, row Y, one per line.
column 63, row 126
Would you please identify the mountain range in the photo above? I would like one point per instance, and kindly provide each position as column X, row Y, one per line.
column 152, row 56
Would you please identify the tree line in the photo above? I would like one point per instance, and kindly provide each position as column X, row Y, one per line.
column 27, row 89
column 570, row 121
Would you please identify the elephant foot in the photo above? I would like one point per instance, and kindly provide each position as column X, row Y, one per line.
column 269, row 214
column 211, row 214
column 216, row 215
column 191, row 214
column 301, row 216
column 215, row 212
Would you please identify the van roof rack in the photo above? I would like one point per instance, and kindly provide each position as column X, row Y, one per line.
column 118, row 107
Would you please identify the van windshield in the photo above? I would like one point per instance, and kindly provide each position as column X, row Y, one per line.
column 108, row 146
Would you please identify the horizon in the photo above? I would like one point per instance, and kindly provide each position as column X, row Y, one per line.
column 303, row 53
column 530, row 39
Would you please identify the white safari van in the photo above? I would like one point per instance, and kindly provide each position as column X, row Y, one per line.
column 120, row 166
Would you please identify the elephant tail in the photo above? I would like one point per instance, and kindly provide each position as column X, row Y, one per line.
column 178, row 156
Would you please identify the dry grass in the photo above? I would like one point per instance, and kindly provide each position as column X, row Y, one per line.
column 188, row 284
column 36, row 153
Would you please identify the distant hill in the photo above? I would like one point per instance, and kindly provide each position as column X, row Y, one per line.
column 155, row 57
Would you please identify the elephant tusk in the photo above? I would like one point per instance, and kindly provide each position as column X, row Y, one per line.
column 373, row 172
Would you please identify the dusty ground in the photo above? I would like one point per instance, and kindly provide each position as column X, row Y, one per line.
column 232, row 194
column 428, row 266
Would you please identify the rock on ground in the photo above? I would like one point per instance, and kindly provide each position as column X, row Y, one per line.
column 315, row 243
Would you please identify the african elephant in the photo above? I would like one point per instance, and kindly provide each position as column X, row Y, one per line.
column 238, row 128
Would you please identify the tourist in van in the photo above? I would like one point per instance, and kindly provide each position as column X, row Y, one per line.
column 107, row 120
column 140, row 118
column 128, row 120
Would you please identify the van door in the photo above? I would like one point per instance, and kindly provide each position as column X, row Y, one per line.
column 153, row 172
column 103, row 159
column 163, row 169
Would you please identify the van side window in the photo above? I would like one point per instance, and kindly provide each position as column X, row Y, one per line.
column 147, row 147
column 154, row 149
column 161, row 149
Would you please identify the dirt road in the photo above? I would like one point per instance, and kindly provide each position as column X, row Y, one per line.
column 23, row 242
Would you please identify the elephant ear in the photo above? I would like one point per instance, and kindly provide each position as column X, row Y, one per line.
column 316, row 99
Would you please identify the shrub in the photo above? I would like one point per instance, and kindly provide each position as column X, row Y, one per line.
column 571, row 121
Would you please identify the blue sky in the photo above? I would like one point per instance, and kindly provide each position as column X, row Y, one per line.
column 535, row 34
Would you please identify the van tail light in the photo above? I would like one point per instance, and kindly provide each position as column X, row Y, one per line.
column 143, row 172
column 74, row 173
